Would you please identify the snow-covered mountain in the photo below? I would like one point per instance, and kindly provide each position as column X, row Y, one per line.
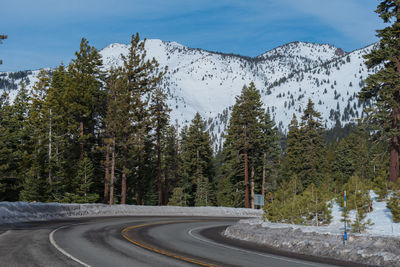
column 208, row 82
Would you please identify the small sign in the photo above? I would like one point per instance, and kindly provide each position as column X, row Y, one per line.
column 258, row 199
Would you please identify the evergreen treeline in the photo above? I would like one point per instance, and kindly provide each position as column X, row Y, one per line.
column 85, row 135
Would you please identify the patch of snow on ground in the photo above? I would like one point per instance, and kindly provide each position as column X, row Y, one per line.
column 381, row 218
column 379, row 245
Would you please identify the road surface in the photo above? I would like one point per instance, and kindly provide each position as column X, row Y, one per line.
column 136, row 241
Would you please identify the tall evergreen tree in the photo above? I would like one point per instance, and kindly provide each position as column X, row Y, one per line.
column 293, row 159
column 384, row 86
column 243, row 136
column 4, row 150
column 313, row 166
column 118, row 123
column 19, row 137
column 170, row 162
column 58, row 132
column 196, row 158
column 394, row 203
column 142, row 77
column 11, row 125
column 82, row 184
column 358, row 200
column 159, row 111
column 38, row 117
column 85, row 93
column 270, row 151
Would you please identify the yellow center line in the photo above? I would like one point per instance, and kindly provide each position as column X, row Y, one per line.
column 159, row 251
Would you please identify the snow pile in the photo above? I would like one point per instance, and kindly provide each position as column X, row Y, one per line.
column 374, row 250
column 379, row 245
column 13, row 212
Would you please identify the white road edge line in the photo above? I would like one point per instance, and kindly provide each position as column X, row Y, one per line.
column 53, row 242
column 4, row 233
column 244, row 250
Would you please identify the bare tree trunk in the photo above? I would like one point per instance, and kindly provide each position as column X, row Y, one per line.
column 252, row 187
column 112, row 173
column 159, row 178
column 263, row 176
column 316, row 207
column 139, row 198
column 123, row 182
column 294, row 200
column 50, row 152
column 166, row 187
column 81, row 126
column 246, row 171
column 197, row 168
column 106, row 178
column 176, row 161
column 394, row 146
column 394, row 149
column 57, row 161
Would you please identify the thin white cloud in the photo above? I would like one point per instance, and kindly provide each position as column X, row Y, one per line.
column 353, row 18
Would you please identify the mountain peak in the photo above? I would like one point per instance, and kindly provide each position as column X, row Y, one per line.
column 312, row 51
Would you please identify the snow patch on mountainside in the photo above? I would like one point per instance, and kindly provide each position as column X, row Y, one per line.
column 208, row 82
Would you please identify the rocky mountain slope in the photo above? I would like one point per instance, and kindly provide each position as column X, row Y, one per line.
column 208, row 82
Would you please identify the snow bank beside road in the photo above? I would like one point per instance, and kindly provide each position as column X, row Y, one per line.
column 13, row 212
column 367, row 249
column 379, row 245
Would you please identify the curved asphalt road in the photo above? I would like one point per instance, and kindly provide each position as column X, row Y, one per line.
column 132, row 241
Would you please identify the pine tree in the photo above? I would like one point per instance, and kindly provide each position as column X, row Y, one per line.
column 360, row 153
column 56, row 130
column 118, row 125
column 36, row 178
column 159, row 112
column 269, row 151
column 381, row 185
column 82, row 184
column 17, row 132
column 292, row 163
column 170, row 162
column 292, row 204
column 179, row 198
column 85, row 93
column 384, row 86
column 394, row 203
column 33, row 186
column 284, row 205
column 305, row 148
column 315, row 205
column 202, row 192
column 343, row 166
column 8, row 143
column 313, row 165
column 226, row 193
column 358, row 199
column 196, row 157
column 242, row 138
column 4, row 104
column 142, row 78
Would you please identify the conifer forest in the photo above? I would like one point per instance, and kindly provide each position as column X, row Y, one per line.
column 85, row 135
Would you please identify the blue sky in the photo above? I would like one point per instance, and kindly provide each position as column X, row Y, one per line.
column 44, row 33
